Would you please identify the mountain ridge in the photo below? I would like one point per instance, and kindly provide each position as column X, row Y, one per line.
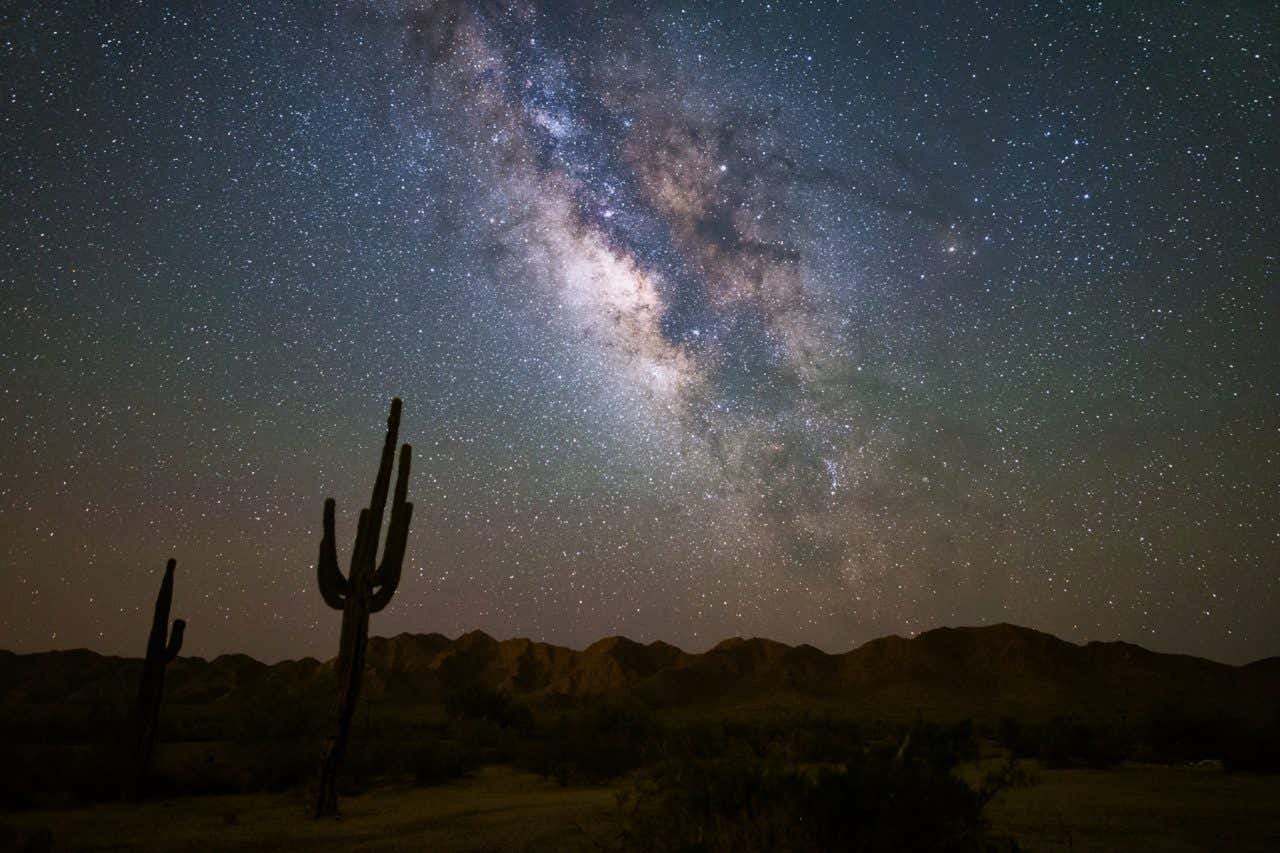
column 985, row 671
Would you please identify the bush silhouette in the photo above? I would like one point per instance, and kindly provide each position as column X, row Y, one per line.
column 479, row 702
column 743, row 803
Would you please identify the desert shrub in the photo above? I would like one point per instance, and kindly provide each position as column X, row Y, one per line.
column 435, row 762
column 1253, row 750
column 229, row 768
column 801, row 738
column 88, row 723
column 257, row 723
column 695, row 740
column 593, row 744
column 741, row 802
column 62, row 774
column 1010, row 733
column 825, row 739
column 16, row 792
column 1067, row 742
column 479, row 702
column 425, row 754
column 1170, row 734
column 943, row 746
column 1167, row 735
column 28, row 841
column 488, row 742
column 281, row 764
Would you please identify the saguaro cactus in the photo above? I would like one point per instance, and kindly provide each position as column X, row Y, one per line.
column 162, row 647
column 364, row 590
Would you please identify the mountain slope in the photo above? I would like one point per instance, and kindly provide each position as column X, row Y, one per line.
column 988, row 672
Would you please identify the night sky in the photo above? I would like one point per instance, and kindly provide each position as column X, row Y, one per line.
column 811, row 321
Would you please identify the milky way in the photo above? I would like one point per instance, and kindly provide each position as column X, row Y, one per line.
column 710, row 320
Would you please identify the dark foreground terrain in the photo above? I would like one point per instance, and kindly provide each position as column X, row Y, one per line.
column 995, row 738
column 1133, row 808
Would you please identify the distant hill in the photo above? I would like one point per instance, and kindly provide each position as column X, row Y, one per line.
column 987, row 672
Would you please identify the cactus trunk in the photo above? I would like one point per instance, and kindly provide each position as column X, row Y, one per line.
column 350, row 668
column 366, row 589
column 162, row 647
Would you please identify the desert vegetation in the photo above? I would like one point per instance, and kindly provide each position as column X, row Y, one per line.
column 759, row 780
column 163, row 645
column 367, row 588
column 75, row 757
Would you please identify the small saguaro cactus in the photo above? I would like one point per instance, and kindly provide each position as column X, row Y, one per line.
column 162, row 647
column 365, row 589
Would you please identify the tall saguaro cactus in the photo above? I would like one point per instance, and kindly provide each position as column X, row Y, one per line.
column 365, row 589
column 162, row 647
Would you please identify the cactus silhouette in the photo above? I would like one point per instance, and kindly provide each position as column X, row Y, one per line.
column 364, row 590
column 162, row 647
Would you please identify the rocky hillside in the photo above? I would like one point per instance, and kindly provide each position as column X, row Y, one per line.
column 948, row 672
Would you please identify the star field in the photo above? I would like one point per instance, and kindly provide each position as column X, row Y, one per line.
column 815, row 321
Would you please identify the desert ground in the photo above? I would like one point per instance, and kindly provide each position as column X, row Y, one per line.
column 1132, row 807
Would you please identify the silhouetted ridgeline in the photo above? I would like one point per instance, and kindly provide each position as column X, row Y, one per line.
column 944, row 674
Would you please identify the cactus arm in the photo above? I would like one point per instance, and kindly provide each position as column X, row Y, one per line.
column 397, row 507
column 333, row 586
column 402, row 474
column 164, row 600
column 392, row 557
column 382, row 484
column 175, row 639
